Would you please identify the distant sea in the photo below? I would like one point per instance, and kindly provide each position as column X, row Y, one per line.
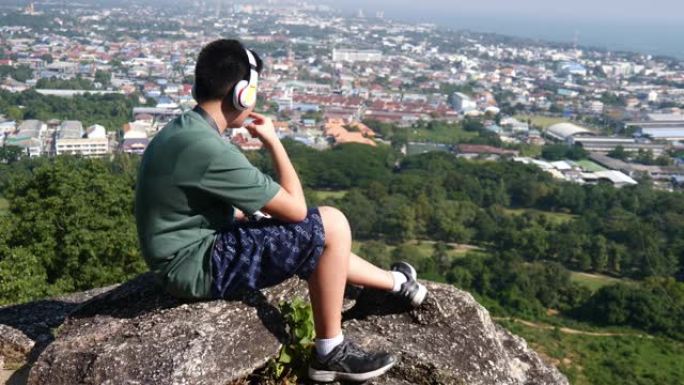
column 644, row 37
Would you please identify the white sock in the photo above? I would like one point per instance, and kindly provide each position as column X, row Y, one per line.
column 326, row 345
column 399, row 279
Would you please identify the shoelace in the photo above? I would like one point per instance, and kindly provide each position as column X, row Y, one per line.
column 407, row 288
column 351, row 349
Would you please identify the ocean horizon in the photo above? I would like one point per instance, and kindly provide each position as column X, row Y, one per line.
column 647, row 37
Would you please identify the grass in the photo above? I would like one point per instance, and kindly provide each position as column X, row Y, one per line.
column 603, row 360
column 590, row 166
column 4, row 206
column 595, row 281
column 330, row 194
column 553, row 217
column 541, row 121
column 441, row 134
column 425, row 248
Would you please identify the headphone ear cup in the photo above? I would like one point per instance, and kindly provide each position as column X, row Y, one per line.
column 238, row 97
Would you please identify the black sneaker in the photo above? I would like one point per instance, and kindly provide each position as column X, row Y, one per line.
column 347, row 362
column 411, row 290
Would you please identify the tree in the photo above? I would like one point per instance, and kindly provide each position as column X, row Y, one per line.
column 11, row 154
column 103, row 77
column 644, row 157
column 618, row 153
column 47, row 58
column 22, row 277
column 15, row 113
column 376, row 252
column 20, row 73
column 554, row 151
column 407, row 252
column 440, row 254
column 76, row 216
column 599, row 253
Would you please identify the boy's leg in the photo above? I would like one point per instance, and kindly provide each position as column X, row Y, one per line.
column 336, row 358
column 327, row 283
column 401, row 280
column 366, row 274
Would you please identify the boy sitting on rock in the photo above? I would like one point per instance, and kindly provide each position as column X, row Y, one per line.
column 195, row 190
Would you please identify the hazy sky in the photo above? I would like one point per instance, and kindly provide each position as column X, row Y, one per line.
column 617, row 10
column 650, row 26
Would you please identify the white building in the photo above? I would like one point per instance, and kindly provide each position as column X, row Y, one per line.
column 605, row 144
column 70, row 139
column 462, row 102
column 563, row 131
column 352, row 55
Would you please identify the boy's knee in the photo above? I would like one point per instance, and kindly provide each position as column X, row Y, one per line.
column 335, row 222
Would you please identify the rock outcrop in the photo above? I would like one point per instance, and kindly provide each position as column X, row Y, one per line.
column 136, row 334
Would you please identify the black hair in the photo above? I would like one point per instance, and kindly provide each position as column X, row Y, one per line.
column 220, row 66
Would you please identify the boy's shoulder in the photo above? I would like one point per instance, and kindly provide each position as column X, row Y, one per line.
column 190, row 133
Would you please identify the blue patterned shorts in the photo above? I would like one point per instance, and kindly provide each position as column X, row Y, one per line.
column 259, row 254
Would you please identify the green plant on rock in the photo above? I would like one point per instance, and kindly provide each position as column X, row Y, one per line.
column 294, row 355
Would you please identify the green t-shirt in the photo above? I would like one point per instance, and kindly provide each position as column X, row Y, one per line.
column 188, row 183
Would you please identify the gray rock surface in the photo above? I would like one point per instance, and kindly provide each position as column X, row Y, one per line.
column 136, row 334
column 451, row 339
column 25, row 329
column 15, row 346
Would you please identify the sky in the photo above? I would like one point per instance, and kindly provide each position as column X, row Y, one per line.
column 648, row 26
column 606, row 10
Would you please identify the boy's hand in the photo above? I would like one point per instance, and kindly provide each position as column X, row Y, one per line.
column 262, row 128
column 239, row 216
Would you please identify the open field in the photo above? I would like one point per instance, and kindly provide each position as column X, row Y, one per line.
column 590, row 166
column 541, row 121
column 441, row 134
column 330, row 194
column 425, row 248
column 595, row 281
column 553, row 217
column 4, row 206
column 606, row 358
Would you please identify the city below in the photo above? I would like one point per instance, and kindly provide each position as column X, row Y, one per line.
column 583, row 115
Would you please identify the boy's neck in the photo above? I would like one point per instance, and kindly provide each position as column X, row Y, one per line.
column 213, row 108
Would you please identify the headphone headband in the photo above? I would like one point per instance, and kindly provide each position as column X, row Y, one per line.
column 251, row 60
column 245, row 91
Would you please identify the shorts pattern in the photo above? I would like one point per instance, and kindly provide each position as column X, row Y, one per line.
column 264, row 253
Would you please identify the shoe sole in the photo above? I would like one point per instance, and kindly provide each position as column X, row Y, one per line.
column 414, row 274
column 330, row 376
column 418, row 299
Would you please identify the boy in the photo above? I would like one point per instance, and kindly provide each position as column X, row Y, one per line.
column 194, row 191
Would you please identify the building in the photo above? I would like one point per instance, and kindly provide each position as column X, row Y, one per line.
column 29, row 136
column 616, row 178
column 605, row 144
column 661, row 126
column 572, row 68
column 670, row 134
column 352, row 55
column 564, row 131
column 462, row 102
column 573, row 172
column 657, row 173
column 135, row 145
column 72, row 139
column 337, row 130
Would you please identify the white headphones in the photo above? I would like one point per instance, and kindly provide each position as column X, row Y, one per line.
column 245, row 91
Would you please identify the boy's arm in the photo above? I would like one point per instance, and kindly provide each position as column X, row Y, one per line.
column 288, row 204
